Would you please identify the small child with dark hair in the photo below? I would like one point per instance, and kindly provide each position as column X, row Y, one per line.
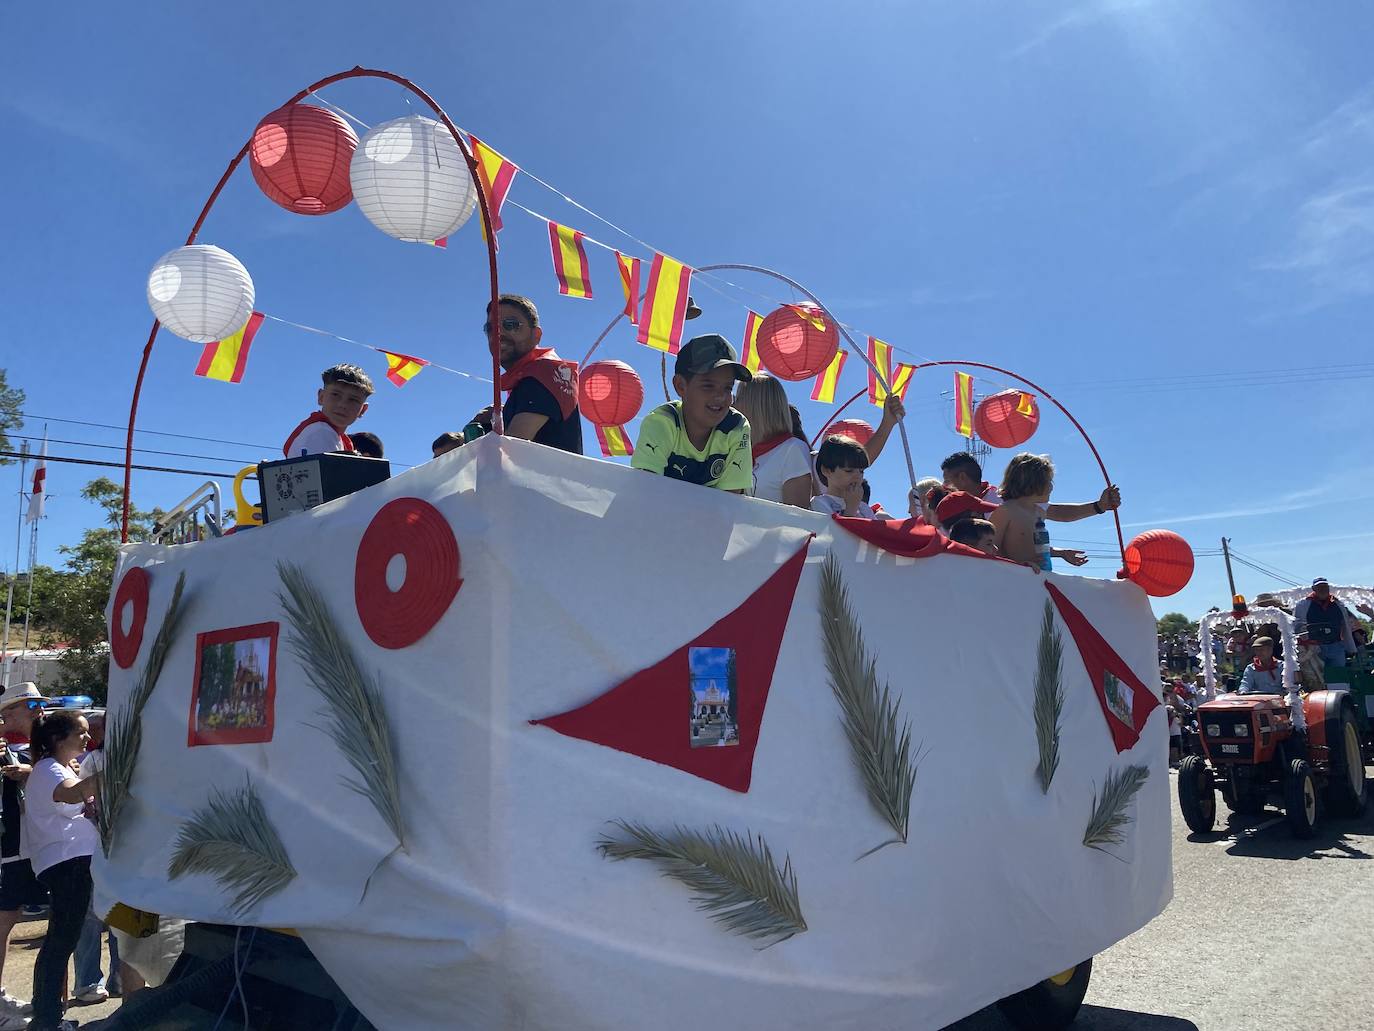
column 369, row 445
column 342, row 401
column 446, row 442
column 978, row 534
column 840, row 466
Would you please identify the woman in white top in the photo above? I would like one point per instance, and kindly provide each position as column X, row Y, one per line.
column 782, row 460
column 59, row 839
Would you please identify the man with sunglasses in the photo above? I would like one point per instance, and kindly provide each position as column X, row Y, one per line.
column 541, row 398
column 20, row 705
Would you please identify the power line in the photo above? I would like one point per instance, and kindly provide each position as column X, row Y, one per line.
column 137, row 450
column 156, row 433
column 117, row 465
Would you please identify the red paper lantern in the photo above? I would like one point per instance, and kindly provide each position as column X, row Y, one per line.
column 854, row 429
column 300, row 156
column 797, row 342
column 609, row 393
column 1007, row 418
column 1160, row 562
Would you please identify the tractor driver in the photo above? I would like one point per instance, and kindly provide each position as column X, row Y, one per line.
column 1262, row 675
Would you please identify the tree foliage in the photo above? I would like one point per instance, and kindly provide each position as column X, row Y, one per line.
column 11, row 414
column 1176, row 623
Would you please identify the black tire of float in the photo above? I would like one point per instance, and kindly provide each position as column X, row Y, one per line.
column 1295, row 787
column 1341, row 731
column 1197, row 797
column 144, row 1010
column 1048, row 1006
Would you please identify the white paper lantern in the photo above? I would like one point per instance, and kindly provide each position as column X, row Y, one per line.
column 200, row 293
column 411, row 180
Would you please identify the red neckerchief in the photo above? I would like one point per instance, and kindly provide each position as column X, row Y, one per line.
column 983, row 491
column 1272, row 665
column 762, row 447
column 345, row 444
column 557, row 376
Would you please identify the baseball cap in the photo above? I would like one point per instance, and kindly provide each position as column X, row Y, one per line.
column 1320, row 580
column 708, row 352
column 960, row 502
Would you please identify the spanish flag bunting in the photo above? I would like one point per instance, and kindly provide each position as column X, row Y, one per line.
column 824, row 390
column 496, row 174
column 226, row 359
column 629, row 282
column 402, row 368
column 810, row 313
column 880, row 355
column 963, row 404
column 614, row 441
column 1025, row 405
column 570, row 261
column 441, row 243
column 901, row 379
column 665, row 304
column 750, row 351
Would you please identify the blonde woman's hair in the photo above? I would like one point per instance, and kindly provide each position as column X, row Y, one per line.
column 764, row 403
column 1027, row 475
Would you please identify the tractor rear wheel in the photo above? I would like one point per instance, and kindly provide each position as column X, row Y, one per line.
column 1196, row 797
column 1346, row 793
column 1050, row 1005
column 1300, row 799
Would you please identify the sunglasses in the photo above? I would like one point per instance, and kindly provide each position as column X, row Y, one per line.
column 509, row 325
column 32, row 704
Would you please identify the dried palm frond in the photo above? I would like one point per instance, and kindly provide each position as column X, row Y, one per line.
column 1108, row 823
column 124, row 735
column 354, row 713
column 881, row 748
column 233, row 840
column 732, row 877
column 1049, row 697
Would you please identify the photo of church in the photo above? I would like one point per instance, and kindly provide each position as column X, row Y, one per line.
column 714, row 720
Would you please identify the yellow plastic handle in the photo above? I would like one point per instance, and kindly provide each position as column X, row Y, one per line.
column 244, row 513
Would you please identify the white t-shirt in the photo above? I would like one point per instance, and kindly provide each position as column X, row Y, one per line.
column 787, row 461
column 53, row 831
column 831, row 505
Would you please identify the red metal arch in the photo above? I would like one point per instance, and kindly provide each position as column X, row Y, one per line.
column 493, row 337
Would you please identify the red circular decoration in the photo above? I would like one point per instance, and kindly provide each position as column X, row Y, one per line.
column 300, row 155
column 133, row 591
column 609, row 393
column 793, row 346
column 1160, row 562
column 415, row 530
column 854, row 429
column 1007, row 418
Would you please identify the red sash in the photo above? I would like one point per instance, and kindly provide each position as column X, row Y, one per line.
column 557, row 376
column 762, row 447
column 344, row 443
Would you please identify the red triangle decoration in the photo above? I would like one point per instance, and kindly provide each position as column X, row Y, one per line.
column 1126, row 702
column 723, row 673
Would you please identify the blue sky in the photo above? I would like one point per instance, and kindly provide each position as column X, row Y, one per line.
column 1161, row 211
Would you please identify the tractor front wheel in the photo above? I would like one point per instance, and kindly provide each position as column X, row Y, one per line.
column 1050, row 1005
column 1197, row 798
column 1300, row 799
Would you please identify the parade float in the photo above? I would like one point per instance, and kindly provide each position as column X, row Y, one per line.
column 501, row 758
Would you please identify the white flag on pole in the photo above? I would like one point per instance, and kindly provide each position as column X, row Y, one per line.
column 40, row 490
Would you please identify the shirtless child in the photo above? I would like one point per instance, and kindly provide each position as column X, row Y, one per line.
column 1020, row 520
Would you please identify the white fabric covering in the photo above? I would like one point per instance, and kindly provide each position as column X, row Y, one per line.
column 576, row 574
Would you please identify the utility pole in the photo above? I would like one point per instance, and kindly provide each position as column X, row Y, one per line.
column 1226, row 554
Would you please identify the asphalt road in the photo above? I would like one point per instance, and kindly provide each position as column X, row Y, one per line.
column 1265, row 932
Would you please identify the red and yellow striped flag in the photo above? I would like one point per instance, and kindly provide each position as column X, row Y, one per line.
column 749, row 353
column 963, row 404
column 810, row 313
column 614, row 441
column 1025, row 405
column 879, row 354
column 665, row 304
column 496, row 174
column 824, row 390
column 442, row 242
column 226, row 359
column 901, row 379
column 629, row 282
column 570, row 261
column 402, row 368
